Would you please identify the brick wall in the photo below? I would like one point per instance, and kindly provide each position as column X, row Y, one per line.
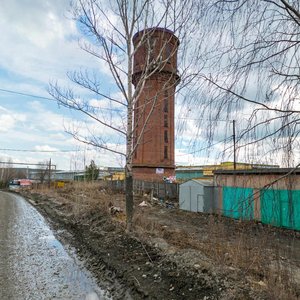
column 154, row 109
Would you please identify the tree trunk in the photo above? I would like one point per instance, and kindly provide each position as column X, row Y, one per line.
column 129, row 199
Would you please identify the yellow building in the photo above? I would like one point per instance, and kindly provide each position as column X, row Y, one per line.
column 115, row 176
column 228, row 165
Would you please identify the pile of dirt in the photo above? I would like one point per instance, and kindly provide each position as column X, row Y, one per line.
column 162, row 258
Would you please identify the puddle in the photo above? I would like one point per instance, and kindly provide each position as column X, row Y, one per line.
column 37, row 265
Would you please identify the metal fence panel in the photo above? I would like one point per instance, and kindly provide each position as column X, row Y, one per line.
column 161, row 190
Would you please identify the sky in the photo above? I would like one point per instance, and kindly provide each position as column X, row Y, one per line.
column 40, row 45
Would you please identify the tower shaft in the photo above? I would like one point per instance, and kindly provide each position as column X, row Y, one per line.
column 155, row 79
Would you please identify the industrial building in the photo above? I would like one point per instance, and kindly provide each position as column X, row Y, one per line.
column 184, row 173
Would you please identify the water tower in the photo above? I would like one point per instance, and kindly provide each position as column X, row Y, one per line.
column 155, row 77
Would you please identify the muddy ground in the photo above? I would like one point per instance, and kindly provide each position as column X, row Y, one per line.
column 35, row 265
column 172, row 254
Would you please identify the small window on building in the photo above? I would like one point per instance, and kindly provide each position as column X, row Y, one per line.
column 166, row 136
column 136, row 117
column 166, row 105
column 168, row 53
column 134, row 143
column 151, row 50
column 166, row 120
column 166, row 93
column 166, row 152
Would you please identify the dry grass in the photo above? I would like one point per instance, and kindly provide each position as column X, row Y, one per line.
column 256, row 254
column 82, row 199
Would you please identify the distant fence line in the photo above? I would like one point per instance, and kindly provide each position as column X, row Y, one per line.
column 161, row 190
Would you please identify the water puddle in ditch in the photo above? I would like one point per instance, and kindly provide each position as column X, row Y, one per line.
column 37, row 265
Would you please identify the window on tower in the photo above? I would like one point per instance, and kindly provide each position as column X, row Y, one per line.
column 168, row 53
column 166, row 136
column 166, row 105
column 166, row 120
column 166, row 152
column 152, row 46
column 134, row 143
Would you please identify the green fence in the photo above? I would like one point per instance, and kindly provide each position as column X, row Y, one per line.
column 238, row 203
column 277, row 207
column 280, row 208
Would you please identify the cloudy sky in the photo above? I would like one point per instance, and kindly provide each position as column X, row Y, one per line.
column 39, row 44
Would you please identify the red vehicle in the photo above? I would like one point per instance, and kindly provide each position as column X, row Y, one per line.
column 16, row 184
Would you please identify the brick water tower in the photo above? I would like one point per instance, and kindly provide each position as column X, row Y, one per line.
column 155, row 78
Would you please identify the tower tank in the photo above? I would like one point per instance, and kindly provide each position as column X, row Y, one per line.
column 155, row 78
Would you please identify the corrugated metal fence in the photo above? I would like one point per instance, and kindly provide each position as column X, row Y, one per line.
column 161, row 190
column 275, row 207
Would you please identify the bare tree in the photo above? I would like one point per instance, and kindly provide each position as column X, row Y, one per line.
column 108, row 29
column 250, row 73
column 6, row 172
column 43, row 171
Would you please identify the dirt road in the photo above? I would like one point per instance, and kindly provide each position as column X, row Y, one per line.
column 33, row 264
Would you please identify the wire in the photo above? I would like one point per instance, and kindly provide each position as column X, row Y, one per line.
column 104, row 108
column 203, row 119
column 25, row 94
column 199, row 150
column 42, row 151
column 51, row 99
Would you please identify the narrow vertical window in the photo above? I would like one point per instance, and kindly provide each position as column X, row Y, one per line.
column 152, row 47
column 166, row 120
column 166, row 152
column 168, row 53
column 134, row 143
column 166, row 136
column 166, row 105
column 136, row 114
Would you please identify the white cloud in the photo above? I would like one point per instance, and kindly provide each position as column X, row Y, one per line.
column 10, row 120
column 38, row 41
column 45, row 148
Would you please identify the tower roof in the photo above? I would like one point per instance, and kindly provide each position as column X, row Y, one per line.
column 156, row 29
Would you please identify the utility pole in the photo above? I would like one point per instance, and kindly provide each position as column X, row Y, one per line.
column 49, row 181
column 234, row 145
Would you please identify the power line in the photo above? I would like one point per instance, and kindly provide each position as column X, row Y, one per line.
column 105, row 108
column 26, row 164
column 26, row 94
column 51, row 99
column 203, row 119
column 42, row 151
column 202, row 149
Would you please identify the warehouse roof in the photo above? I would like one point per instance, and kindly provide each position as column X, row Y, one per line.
column 201, row 182
column 259, row 171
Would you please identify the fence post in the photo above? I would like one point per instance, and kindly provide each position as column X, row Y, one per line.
column 151, row 196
